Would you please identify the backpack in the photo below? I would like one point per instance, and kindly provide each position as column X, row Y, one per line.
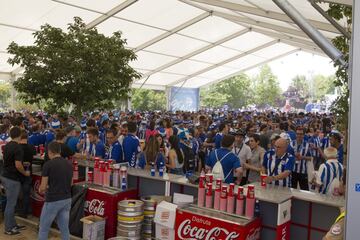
column 217, row 170
column 189, row 158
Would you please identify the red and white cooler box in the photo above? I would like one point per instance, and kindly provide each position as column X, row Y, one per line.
column 197, row 223
column 102, row 201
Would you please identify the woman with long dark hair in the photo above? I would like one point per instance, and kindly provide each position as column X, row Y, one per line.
column 151, row 155
column 176, row 156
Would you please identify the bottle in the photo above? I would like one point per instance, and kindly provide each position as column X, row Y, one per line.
column 123, row 183
column 217, row 194
column 201, row 191
column 230, row 198
column 152, row 171
column 161, row 169
column 209, row 200
column 123, row 175
column 96, row 170
column 116, row 176
column 250, row 202
column 240, row 201
column 257, row 208
column 223, row 198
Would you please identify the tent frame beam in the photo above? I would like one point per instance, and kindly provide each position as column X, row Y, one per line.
column 268, row 14
column 258, row 48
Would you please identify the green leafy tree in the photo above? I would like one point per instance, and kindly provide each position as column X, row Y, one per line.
column 301, row 85
column 235, row 92
column 267, row 88
column 323, row 85
column 341, row 105
column 79, row 68
column 145, row 99
column 211, row 98
column 4, row 94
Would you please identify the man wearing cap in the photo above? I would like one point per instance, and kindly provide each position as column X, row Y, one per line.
column 278, row 167
column 241, row 150
column 329, row 170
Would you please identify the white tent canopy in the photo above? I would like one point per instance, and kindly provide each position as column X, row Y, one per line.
column 189, row 43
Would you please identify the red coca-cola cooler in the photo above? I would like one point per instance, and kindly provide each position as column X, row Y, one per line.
column 37, row 199
column 195, row 223
column 102, row 201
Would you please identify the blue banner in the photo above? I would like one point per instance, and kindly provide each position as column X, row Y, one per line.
column 184, row 99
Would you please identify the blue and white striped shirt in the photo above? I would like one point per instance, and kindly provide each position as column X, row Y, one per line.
column 300, row 166
column 327, row 173
column 325, row 142
column 285, row 163
column 317, row 143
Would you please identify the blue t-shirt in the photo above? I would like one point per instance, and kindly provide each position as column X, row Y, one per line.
column 218, row 138
column 229, row 163
column 50, row 136
column 285, row 163
column 97, row 150
column 71, row 142
column 131, row 146
column 34, row 139
column 115, row 152
column 160, row 161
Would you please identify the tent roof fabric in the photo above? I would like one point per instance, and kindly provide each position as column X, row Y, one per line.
column 188, row 43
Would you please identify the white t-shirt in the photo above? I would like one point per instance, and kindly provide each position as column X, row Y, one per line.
column 243, row 154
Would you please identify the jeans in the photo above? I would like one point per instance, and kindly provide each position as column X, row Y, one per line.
column 26, row 191
column 59, row 210
column 12, row 189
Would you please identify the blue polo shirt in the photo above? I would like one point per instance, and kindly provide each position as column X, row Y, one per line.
column 131, row 146
column 159, row 161
column 50, row 136
column 229, row 163
column 218, row 138
column 115, row 152
column 71, row 142
column 34, row 139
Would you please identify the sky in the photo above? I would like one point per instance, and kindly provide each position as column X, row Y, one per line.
column 299, row 63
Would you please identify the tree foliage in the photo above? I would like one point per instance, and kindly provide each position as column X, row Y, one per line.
column 266, row 87
column 236, row 92
column 341, row 105
column 145, row 99
column 79, row 67
column 301, row 85
column 4, row 94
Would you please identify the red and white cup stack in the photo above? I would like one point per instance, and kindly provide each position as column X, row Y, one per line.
column 209, row 178
column 96, row 170
column 250, row 202
column 90, row 176
column 240, row 201
column 223, row 198
column 75, row 170
column 231, row 198
column 209, row 200
column 201, row 191
column 107, row 173
column 116, row 176
column 217, row 194
column 101, row 173
column 262, row 177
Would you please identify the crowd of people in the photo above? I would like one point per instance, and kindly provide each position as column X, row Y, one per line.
column 295, row 150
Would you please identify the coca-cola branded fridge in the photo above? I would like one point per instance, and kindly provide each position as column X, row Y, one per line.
column 102, row 201
column 195, row 223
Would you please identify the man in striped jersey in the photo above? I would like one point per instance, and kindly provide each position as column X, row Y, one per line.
column 302, row 158
column 329, row 170
column 279, row 166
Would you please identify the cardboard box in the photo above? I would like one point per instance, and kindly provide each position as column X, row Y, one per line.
column 165, row 214
column 183, row 199
column 164, row 233
column 93, row 227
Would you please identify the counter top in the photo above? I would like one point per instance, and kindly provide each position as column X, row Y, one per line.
column 335, row 201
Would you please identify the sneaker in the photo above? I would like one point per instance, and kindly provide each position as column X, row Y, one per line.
column 19, row 227
column 12, row 232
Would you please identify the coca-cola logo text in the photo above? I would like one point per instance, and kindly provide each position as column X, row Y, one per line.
column 254, row 235
column 185, row 231
column 95, row 206
column 35, row 192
